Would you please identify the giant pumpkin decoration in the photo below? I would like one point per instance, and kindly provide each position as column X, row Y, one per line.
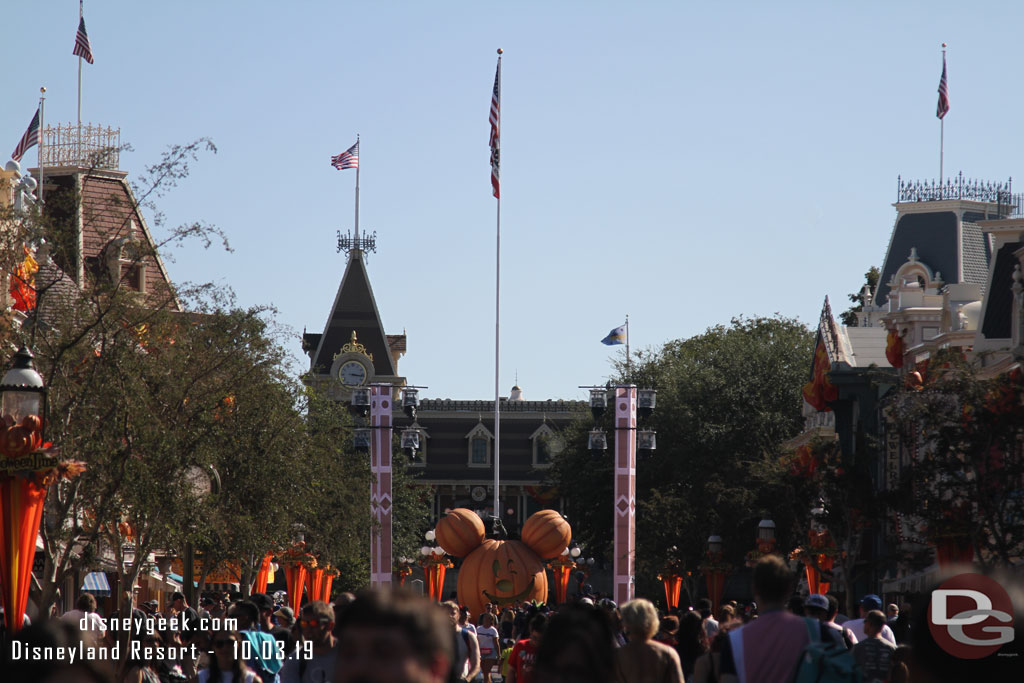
column 459, row 532
column 547, row 533
column 502, row 572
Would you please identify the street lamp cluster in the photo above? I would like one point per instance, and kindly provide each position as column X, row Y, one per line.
column 646, row 401
column 410, row 436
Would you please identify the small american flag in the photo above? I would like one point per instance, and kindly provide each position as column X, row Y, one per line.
column 495, row 120
column 29, row 139
column 82, row 48
column 347, row 159
column 943, row 107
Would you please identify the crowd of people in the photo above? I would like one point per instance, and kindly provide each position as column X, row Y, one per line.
column 399, row 637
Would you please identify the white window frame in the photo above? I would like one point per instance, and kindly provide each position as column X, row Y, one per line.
column 479, row 431
column 542, row 432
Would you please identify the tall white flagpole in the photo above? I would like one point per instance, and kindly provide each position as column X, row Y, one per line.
column 496, row 147
column 358, row 152
column 942, row 121
column 80, row 16
column 627, row 348
column 42, row 138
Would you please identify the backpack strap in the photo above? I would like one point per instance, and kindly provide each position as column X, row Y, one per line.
column 735, row 649
column 813, row 629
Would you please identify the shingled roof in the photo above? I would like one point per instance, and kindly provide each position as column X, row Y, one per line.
column 355, row 310
column 957, row 259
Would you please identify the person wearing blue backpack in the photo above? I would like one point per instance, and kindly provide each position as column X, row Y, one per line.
column 771, row 648
column 261, row 651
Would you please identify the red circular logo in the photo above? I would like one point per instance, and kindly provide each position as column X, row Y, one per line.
column 970, row 616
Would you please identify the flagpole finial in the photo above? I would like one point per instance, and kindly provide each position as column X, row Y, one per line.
column 42, row 89
column 500, row 51
column 943, row 46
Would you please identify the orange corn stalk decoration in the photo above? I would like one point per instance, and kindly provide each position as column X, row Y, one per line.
column 22, row 283
column 260, row 586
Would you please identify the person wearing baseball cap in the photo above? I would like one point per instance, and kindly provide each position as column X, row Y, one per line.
column 868, row 603
column 824, row 609
column 285, row 616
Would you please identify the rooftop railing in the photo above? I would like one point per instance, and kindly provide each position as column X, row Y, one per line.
column 958, row 187
column 84, row 146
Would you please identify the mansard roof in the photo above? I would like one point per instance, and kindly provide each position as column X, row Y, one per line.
column 958, row 253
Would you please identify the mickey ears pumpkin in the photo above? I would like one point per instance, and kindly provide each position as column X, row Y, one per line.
column 547, row 533
column 460, row 532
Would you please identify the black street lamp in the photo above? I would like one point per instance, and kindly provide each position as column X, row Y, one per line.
column 22, row 388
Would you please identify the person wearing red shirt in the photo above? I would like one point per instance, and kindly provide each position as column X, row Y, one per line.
column 524, row 655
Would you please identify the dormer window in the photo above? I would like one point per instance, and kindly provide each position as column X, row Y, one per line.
column 124, row 261
column 479, row 441
column 547, row 444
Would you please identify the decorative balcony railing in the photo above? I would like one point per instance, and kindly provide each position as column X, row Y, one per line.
column 84, row 146
column 958, row 187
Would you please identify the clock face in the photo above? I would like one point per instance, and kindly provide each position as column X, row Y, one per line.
column 352, row 374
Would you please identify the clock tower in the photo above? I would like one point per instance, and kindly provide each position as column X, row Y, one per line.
column 353, row 350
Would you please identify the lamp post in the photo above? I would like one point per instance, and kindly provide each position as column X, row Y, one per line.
column 434, row 565
column 765, row 541
column 203, row 482
column 624, row 501
column 819, row 556
column 25, row 476
column 714, row 570
column 560, row 568
column 296, row 562
column 380, row 493
column 403, row 569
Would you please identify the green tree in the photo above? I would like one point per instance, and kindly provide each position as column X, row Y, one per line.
column 727, row 399
column 960, row 431
column 849, row 316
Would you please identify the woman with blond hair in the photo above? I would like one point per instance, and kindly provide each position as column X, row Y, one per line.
column 643, row 660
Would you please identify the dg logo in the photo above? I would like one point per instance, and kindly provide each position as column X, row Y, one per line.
column 970, row 616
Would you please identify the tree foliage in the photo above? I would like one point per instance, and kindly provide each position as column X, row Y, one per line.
column 156, row 391
column 849, row 316
column 727, row 399
column 962, row 435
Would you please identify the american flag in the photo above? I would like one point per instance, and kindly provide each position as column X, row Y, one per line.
column 495, row 119
column 943, row 92
column 82, row 48
column 30, row 138
column 347, row 159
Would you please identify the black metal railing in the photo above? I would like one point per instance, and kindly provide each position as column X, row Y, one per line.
column 959, row 187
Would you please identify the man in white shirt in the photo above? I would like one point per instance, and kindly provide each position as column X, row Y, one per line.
column 84, row 616
column 867, row 603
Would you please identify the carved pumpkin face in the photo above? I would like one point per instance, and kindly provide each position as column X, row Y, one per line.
column 501, row 572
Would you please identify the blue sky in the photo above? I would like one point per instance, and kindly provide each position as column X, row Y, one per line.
column 684, row 163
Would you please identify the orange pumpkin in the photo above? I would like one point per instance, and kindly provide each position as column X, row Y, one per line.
column 460, row 532
column 547, row 533
column 501, row 572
